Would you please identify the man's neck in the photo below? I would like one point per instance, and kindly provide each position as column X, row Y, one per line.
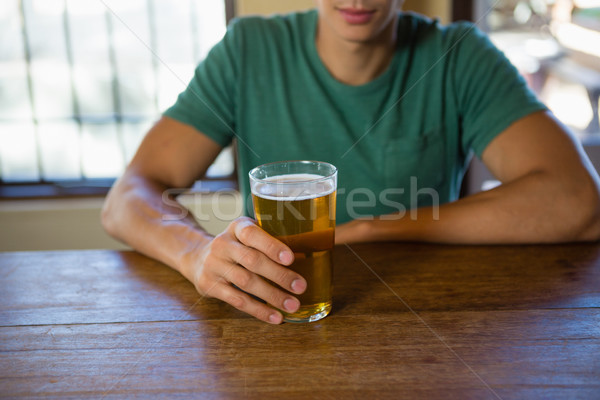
column 356, row 63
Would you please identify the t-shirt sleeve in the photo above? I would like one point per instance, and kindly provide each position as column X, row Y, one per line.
column 491, row 94
column 208, row 103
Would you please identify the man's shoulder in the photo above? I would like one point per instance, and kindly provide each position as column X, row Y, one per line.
column 426, row 24
column 274, row 24
column 429, row 34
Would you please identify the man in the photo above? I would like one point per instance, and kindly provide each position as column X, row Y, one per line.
column 388, row 98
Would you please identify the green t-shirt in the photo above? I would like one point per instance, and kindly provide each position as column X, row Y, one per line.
column 447, row 93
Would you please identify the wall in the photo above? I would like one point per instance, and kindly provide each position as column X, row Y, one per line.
column 433, row 8
column 53, row 224
column 441, row 9
column 250, row 7
column 65, row 224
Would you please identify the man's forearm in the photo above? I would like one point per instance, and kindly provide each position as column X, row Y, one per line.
column 532, row 209
column 136, row 214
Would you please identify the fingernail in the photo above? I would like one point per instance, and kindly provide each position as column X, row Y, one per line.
column 291, row 305
column 298, row 285
column 286, row 257
column 275, row 318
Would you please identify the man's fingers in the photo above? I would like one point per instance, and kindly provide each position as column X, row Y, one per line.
column 245, row 303
column 239, row 264
column 251, row 235
column 255, row 261
column 251, row 283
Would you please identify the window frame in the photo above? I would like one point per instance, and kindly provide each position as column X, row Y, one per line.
column 97, row 187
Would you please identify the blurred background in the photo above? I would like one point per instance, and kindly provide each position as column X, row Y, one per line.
column 81, row 81
column 556, row 46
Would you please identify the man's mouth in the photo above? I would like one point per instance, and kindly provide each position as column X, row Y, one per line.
column 356, row 16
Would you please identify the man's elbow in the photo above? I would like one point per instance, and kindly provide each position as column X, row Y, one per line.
column 589, row 213
column 108, row 217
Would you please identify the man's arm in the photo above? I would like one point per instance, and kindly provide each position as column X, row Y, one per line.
column 550, row 193
column 174, row 155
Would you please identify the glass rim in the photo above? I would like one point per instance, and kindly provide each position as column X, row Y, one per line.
column 322, row 178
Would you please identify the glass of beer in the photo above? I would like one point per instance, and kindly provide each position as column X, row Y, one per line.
column 294, row 201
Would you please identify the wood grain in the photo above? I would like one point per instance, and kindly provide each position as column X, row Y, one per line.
column 464, row 322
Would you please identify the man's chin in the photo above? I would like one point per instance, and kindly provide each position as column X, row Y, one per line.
column 359, row 39
column 356, row 36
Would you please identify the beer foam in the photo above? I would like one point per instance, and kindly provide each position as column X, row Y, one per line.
column 285, row 188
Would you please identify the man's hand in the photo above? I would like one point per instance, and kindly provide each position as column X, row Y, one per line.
column 174, row 155
column 242, row 256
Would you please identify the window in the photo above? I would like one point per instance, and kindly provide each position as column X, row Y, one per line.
column 81, row 81
column 554, row 43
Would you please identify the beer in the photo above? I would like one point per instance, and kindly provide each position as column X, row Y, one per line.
column 299, row 210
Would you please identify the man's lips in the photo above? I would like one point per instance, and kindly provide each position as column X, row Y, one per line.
column 356, row 16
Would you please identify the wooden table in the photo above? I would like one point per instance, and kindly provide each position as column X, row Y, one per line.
column 409, row 321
